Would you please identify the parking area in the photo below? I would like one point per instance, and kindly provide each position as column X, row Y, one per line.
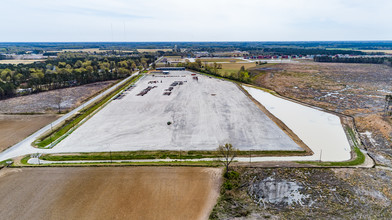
column 178, row 111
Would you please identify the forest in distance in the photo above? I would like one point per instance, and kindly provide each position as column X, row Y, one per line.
column 114, row 60
column 68, row 69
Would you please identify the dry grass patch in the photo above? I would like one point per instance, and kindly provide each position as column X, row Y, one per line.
column 377, row 51
column 88, row 50
column 153, row 50
column 16, row 62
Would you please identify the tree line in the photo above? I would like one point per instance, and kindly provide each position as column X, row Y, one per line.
column 213, row 69
column 330, row 59
column 69, row 69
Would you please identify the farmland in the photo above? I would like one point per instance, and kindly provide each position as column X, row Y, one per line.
column 153, row 50
column 16, row 62
column 14, row 128
column 229, row 68
column 88, row 50
column 108, row 193
column 47, row 102
column 377, row 51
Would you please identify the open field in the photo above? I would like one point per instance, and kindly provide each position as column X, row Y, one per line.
column 45, row 102
column 347, row 49
column 377, row 51
column 15, row 128
column 19, row 61
column 218, row 60
column 228, row 68
column 108, row 193
column 203, row 114
column 152, row 50
column 88, row 50
column 355, row 89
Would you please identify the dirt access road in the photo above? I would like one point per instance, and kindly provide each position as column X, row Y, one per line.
column 108, row 192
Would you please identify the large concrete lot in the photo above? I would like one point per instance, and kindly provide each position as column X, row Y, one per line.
column 108, row 193
column 204, row 113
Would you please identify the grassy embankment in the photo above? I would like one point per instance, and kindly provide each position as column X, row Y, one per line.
column 4, row 163
column 163, row 154
column 212, row 163
column 71, row 124
column 179, row 157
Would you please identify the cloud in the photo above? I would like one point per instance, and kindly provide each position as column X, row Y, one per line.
column 202, row 20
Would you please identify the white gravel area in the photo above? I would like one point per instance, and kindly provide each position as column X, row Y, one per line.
column 204, row 113
column 322, row 132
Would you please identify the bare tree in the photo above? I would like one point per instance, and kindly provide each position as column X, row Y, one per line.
column 227, row 153
column 388, row 103
column 58, row 99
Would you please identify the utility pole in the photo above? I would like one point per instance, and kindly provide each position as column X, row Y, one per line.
column 51, row 133
column 250, row 158
column 321, row 153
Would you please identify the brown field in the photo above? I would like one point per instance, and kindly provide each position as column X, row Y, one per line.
column 88, row 50
column 45, row 102
column 377, row 51
column 153, row 50
column 19, row 61
column 355, row 89
column 108, row 193
column 15, row 128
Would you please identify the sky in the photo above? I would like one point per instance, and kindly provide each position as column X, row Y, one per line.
column 197, row 20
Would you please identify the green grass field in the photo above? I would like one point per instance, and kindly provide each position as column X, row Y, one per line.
column 229, row 68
